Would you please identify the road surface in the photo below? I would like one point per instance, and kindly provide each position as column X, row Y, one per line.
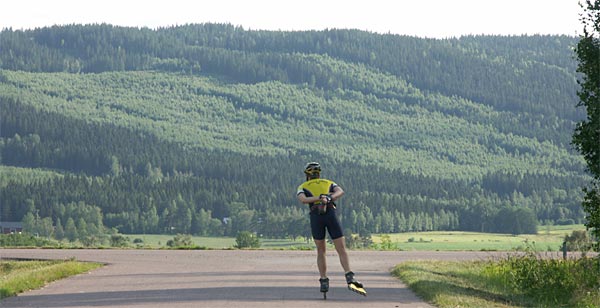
column 223, row 278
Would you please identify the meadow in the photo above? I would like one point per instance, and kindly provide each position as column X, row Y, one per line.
column 154, row 241
column 549, row 238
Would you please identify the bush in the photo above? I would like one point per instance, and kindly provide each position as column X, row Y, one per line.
column 181, row 240
column 578, row 241
column 565, row 222
column 386, row 243
column 245, row 239
column 117, row 240
column 354, row 241
column 92, row 240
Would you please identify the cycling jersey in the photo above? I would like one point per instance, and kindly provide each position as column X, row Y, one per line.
column 320, row 223
column 316, row 187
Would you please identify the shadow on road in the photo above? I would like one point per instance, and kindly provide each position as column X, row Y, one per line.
column 232, row 295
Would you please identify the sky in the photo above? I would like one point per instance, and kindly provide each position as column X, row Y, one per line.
column 422, row 18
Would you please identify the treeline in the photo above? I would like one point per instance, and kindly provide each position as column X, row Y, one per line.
column 141, row 184
column 533, row 75
column 204, row 129
column 138, row 204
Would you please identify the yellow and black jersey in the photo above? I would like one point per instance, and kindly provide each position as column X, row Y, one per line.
column 316, row 187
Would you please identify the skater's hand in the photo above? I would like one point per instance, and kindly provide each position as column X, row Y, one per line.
column 325, row 199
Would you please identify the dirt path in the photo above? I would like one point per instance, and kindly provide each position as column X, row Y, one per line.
column 222, row 278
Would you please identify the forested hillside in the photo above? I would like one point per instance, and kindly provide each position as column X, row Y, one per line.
column 205, row 129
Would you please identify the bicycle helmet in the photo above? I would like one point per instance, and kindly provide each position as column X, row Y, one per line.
column 312, row 169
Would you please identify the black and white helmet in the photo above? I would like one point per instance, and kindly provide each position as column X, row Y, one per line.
column 312, row 168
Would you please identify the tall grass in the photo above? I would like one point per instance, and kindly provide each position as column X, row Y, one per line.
column 550, row 282
column 20, row 276
column 525, row 280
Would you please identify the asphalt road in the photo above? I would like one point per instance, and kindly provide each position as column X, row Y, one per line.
column 222, row 278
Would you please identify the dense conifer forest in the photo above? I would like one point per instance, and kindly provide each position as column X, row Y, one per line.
column 204, row 129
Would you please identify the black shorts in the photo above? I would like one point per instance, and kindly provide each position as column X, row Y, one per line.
column 329, row 221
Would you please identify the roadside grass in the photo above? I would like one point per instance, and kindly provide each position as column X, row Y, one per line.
column 20, row 276
column 453, row 284
column 517, row 281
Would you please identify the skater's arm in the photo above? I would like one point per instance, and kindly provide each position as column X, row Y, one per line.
column 337, row 193
column 304, row 199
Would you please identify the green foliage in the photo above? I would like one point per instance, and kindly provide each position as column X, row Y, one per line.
column 515, row 220
column 185, row 139
column 518, row 281
column 578, row 241
column 10, row 174
column 246, row 239
column 24, row 240
column 118, row 240
column 386, row 243
column 549, row 281
column 587, row 132
column 181, row 240
column 357, row 241
column 448, row 284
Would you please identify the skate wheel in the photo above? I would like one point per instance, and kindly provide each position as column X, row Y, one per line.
column 357, row 290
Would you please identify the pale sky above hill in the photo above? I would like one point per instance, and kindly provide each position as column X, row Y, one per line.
column 423, row 18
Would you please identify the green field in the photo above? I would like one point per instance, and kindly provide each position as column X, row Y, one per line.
column 160, row 241
column 549, row 238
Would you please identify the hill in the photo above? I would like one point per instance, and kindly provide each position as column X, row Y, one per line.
column 175, row 129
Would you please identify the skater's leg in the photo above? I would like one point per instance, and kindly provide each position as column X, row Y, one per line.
column 353, row 284
column 321, row 259
column 340, row 247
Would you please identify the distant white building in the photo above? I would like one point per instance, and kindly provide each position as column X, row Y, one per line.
column 8, row 227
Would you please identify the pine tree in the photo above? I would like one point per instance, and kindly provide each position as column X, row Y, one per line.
column 71, row 230
column 59, row 231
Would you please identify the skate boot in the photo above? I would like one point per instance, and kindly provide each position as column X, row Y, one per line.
column 324, row 286
column 354, row 285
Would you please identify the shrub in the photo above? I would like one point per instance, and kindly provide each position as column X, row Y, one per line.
column 578, row 241
column 181, row 240
column 386, row 243
column 354, row 241
column 245, row 239
column 117, row 240
column 565, row 222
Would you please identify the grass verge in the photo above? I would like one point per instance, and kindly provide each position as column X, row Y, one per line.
column 20, row 276
column 452, row 284
column 502, row 283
